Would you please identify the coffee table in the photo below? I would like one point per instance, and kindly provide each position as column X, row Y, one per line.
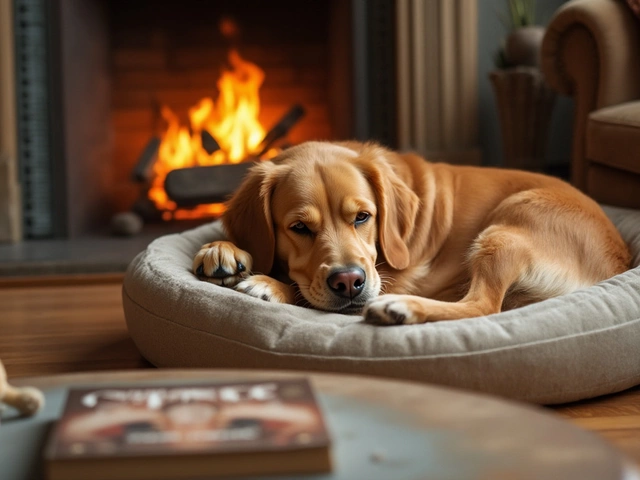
column 381, row 429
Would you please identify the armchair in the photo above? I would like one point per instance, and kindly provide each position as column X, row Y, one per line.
column 591, row 51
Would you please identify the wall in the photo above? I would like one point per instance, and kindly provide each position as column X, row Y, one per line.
column 491, row 33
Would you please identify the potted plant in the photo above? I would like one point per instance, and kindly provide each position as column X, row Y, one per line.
column 524, row 100
column 522, row 44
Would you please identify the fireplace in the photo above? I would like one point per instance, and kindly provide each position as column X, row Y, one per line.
column 94, row 80
column 117, row 70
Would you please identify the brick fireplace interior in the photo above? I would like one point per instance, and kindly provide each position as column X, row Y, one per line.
column 163, row 56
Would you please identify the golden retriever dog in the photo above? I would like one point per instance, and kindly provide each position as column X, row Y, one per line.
column 355, row 228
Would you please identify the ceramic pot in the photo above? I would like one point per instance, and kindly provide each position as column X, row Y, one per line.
column 522, row 46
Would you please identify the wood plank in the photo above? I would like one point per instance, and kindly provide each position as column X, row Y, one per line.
column 57, row 329
column 615, row 417
column 627, row 422
column 59, row 280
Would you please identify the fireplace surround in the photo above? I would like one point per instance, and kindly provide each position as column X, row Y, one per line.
column 90, row 76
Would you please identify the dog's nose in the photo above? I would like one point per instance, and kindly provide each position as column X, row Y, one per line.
column 347, row 282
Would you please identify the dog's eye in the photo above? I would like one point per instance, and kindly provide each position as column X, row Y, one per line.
column 301, row 228
column 361, row 217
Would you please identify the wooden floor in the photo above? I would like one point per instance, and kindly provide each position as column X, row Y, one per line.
column 57, row 327
column 65, row 328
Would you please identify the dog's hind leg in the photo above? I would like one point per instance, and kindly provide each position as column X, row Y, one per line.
column 500, row 256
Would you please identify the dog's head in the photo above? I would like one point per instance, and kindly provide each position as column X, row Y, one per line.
column 324, row 213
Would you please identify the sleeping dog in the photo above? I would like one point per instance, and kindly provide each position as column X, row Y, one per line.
column 357, row 229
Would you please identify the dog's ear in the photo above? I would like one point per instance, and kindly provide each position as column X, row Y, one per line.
column 397, row 208
column 247, row 218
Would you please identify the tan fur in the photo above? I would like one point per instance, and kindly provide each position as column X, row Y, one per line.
column 27, row 400
column 442, row 242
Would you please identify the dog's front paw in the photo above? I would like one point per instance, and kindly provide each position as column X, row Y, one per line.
column 391, row 310
column 266, row 288
column 222, row 263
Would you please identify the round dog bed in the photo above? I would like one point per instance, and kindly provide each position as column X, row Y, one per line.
column 576, row 346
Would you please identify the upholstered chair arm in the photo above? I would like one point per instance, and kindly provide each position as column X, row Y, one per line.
column 591, row 51
column 594, row 41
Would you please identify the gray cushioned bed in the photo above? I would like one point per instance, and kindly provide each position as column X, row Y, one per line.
column 568, row 348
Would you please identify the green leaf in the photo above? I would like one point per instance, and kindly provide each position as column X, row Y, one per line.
column 521, row 13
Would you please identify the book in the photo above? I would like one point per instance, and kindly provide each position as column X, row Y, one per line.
column 189, row 431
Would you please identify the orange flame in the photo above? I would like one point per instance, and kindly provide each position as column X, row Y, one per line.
column 232, row 120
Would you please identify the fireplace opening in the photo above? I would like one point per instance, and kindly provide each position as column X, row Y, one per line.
column 211, row 89
column 225, row 130
column 129, row 89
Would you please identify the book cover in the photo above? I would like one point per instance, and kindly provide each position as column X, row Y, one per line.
column 259, row 427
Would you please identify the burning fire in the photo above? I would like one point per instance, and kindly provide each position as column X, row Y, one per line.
column 232, row 119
